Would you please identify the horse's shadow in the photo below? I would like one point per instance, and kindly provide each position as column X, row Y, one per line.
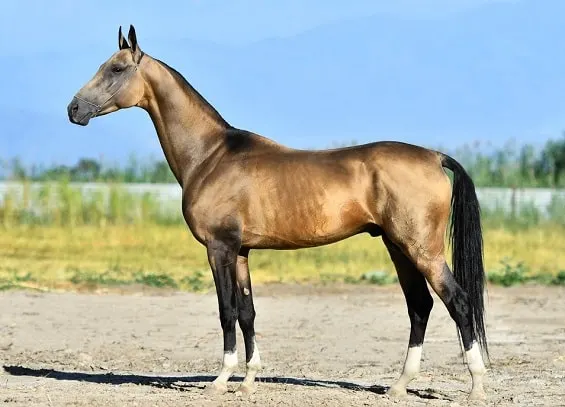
column 188, row 383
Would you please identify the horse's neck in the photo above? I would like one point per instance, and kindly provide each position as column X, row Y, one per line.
column 187, row 127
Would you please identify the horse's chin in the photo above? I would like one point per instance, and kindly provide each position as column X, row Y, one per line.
column 83, row 122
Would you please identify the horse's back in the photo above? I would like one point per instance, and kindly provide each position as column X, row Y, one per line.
column 285, row 198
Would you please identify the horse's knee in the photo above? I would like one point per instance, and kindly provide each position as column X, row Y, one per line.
column 228, row 317
column 246, row 318
column 246, row 308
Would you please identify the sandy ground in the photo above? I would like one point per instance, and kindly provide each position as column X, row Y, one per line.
column 321, row 346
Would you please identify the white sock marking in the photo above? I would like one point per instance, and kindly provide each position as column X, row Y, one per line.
column 476, row 367
column 229, row 365
column 253, row 366
column 410, row 370
column 475, row 360
column 412, row 363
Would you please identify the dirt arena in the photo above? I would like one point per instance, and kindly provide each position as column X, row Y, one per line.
column 320, row 346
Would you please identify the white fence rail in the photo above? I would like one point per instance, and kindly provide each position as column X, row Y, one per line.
column 169, row 195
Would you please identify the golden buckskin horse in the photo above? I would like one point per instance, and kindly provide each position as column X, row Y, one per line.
column 242, row 191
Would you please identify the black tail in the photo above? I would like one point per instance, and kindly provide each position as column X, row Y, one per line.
column 467, row 245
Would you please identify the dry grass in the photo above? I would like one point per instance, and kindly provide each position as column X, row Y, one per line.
column 69, row 258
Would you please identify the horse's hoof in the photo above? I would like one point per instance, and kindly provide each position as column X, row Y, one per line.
column 216, row 389
column 246, row 389
column 397, row 392
column 477, row 395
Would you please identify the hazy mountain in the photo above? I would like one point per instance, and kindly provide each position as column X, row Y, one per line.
column 490, row 74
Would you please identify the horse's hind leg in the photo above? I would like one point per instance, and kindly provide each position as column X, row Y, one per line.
column 247, row 322
column 457, row 302
column 419, row 303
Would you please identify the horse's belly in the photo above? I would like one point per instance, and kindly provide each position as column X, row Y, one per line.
column 309, row 226
column 296, row 240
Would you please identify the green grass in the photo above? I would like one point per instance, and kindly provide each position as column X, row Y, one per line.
column 87, row 257
column 75, row 242
column 514, row 273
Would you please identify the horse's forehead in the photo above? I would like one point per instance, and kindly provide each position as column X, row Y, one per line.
column 120, row 56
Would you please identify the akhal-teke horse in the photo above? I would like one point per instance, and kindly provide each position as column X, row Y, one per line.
column 242, row 191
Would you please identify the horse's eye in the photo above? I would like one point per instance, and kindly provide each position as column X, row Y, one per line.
column 117, row 69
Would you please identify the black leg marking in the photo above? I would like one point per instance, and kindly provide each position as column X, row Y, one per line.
column 419, row 303
column 222, row 255
column 459, row 306
column 418, row 298
column 247, row 323
column 245, row 304
column 457, row 302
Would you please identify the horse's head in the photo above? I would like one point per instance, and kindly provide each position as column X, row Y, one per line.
column 116, row 85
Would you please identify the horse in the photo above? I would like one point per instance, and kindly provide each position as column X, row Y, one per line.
column 242, row 191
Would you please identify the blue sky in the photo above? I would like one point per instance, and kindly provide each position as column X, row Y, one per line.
column 53, row 25
column 306, row 73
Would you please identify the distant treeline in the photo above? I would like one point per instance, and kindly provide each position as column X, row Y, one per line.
column 92, row 170
column 511, row 166
column 516, row 166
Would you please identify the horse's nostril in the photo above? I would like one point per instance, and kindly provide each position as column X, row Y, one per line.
column 72, row 110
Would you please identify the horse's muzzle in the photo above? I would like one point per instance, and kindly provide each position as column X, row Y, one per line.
column 79, row 113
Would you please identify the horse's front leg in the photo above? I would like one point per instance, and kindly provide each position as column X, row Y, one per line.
column 247, row 322
column 222, row 256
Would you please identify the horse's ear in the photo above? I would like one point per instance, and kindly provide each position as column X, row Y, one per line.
column 133, row 43
column 122, row 42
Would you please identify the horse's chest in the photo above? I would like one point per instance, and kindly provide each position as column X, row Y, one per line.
column 206, row 218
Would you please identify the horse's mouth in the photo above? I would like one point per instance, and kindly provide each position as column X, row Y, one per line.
column 83, row 121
